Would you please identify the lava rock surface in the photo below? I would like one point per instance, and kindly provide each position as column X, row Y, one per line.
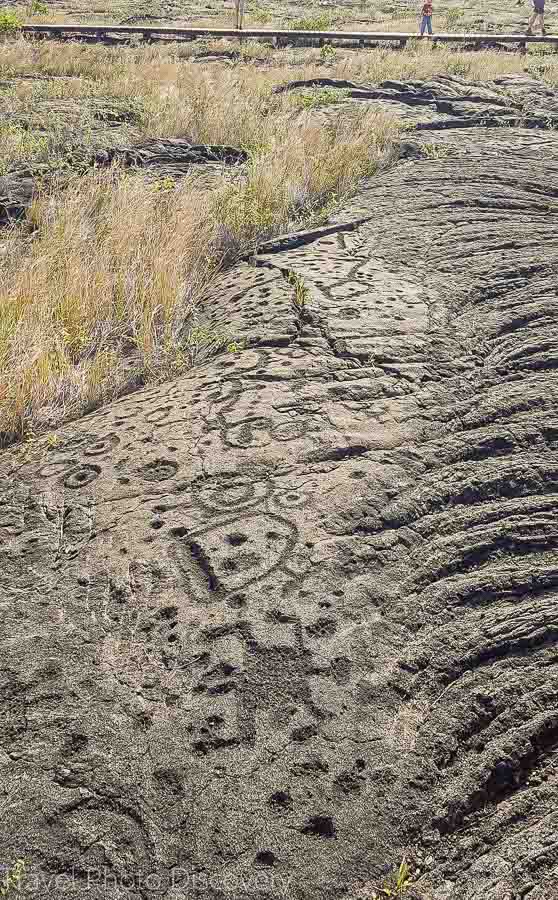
column 281, row 622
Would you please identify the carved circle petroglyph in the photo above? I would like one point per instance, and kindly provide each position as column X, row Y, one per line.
column 82, row 476
column 103, row 445
column 159, row 470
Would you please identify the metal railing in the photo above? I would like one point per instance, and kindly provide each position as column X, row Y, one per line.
column 282, row 37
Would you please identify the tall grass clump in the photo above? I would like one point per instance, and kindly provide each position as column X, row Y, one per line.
column 99, row 300
column 289, row 182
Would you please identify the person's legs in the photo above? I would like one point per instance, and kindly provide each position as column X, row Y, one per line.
column 426, row 25
column 537, row 17
column 531, row 23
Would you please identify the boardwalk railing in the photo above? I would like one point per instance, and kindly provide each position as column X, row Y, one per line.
column 281, row 38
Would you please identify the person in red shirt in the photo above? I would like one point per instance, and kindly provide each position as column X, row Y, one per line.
column 426, row 22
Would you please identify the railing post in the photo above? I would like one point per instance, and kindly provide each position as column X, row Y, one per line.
column 402, row 43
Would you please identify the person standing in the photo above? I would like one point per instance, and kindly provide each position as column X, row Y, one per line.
column 538, row 13
column 426, row 21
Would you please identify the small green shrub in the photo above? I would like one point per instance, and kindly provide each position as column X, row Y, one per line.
column 435, row 151
column 9, row 21
column 313, row 23
column 320, row 97
column 17, row 144
column 328, row 53
column 460, row 67
column 37, row 8
column 12, row 878
column 261, row 15
column 395, row 885
column 255, row 50
column 165, row 184
column 301, row 293
column 202, row 340
column 453, row 17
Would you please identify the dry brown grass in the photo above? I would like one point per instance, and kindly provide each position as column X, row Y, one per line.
column 162, row 79
column 149, row 70
column 422, row 61
column 99, row 297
